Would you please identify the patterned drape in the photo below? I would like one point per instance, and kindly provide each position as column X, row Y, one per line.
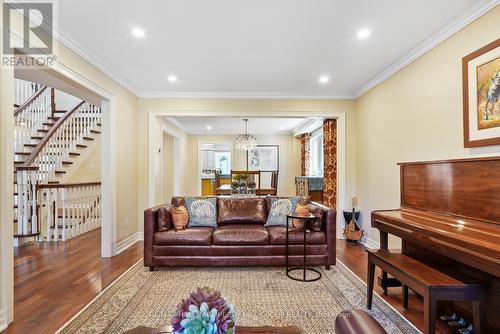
column 305, row 154
column 330, row 163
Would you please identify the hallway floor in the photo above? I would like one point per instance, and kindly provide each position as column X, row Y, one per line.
column 54, row 281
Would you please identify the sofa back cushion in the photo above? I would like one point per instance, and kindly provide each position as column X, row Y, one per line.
column 241, row 210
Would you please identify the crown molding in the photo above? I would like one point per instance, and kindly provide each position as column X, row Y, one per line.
column 244, row 95
column 65, row 38
column 473, row 13
column 178, row 124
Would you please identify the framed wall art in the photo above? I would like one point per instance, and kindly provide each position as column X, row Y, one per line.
column 481, row 90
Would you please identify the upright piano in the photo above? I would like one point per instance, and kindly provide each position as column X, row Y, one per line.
column 450, row 219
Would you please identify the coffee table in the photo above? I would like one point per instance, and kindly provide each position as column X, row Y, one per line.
column 239, row 330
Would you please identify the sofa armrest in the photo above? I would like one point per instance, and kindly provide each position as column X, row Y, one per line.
column 150, row 219
column 330, row 227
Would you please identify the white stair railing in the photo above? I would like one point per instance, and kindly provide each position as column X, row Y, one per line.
column 47, row 157
column 30, row 117
column 63, row 139
column 68, row 210
column 23, row 90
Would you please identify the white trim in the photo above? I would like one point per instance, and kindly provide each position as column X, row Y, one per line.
column 245, row 95
column 129, row 241
column 76, row 46
column 108, row 156
column 3, row 321
column 370, row 243
column 474, row 12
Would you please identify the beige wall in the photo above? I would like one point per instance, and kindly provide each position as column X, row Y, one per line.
column 89, row 170
column 415, row 115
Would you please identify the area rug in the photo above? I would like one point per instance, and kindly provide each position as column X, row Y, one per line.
column 261, row 296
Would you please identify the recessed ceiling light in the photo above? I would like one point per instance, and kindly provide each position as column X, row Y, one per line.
column 172, row 78
column 324, row 79
column 363, row 34
column 209, row 127
column 138, row 32
column 282, row 128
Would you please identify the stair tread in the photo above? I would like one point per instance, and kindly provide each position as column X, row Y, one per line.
column 22, row 153
column 95, row 131
column 81, row 146
column 74, row 153
column 60, row 172
column 88, row 138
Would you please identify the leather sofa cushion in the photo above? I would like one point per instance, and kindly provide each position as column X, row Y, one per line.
column 357, row 322
column 241, row 234
column 277, row 236
column 188, row 236
column 164, row 219
column 241, row 211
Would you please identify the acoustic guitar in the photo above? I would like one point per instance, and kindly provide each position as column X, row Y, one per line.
column 353, row 232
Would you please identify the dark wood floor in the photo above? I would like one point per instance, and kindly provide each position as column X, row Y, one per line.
column 54, row 281
column 355, row 258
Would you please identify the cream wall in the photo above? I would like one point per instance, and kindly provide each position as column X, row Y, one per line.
column 232, row 107
column 88, row 170
column 415, row 115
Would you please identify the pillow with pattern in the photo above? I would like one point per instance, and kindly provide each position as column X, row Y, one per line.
column 280, row 207
column 202, row 211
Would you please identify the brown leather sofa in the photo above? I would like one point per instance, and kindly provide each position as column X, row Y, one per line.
column 240, row 239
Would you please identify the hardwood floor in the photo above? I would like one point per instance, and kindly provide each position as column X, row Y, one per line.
column 53, row 281
column 355, row 258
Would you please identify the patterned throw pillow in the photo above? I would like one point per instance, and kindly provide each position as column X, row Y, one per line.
column 202, row 211
column 280, row 207
column 180, row 217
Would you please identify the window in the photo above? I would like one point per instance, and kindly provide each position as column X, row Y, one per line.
column 316, row 153
column 223, row 162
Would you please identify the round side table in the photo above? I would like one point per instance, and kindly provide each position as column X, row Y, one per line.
column 304, row 267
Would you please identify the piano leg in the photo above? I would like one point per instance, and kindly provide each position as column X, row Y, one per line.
column 384, row 244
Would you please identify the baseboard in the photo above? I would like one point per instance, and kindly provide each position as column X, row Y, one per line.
column 370, row 243
column 128, row 241
column 3, row 321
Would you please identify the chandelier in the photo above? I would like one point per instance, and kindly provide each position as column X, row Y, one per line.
column 246, row 142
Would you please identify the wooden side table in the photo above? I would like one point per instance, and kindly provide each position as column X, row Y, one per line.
column 304, row 267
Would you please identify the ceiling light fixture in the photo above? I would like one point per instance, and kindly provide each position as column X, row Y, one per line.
column 246, row 142
column 324, row 79
column 363, row 34
column 209, row 127
column 138, row 32
column 172, row 78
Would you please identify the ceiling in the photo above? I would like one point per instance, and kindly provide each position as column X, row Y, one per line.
column 235, row 125
column 252, row 48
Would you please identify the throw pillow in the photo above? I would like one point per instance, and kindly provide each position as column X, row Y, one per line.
column 301, row 211
column 280, row 207
column 202, row 211
column 179, row 217
column 164, row 220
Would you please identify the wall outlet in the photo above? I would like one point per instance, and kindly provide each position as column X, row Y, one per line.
column 125, row 222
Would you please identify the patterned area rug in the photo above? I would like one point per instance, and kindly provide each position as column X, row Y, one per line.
column 262, row 296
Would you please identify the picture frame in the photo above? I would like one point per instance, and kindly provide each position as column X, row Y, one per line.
column 264, row 158
column 480, row 92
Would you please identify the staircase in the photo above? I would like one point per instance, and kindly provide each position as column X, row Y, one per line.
column 46, row 143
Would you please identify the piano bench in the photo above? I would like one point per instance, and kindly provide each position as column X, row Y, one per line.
column 432, row 284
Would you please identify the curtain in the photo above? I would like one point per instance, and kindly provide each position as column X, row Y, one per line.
column 330, row 163
column 305, row 154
